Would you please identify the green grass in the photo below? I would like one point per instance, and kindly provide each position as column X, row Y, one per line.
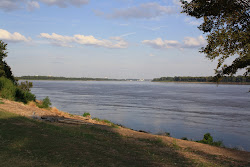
column 26, row 142
column 85, row 114
column 107, row 122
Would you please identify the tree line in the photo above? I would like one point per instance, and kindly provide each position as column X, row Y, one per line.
column 233, row 79
column 63, row 78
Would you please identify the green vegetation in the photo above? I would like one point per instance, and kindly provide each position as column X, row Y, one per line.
column 5, row 70
column 107, row 122
column 9, row 90
column 26, row 142
column 86, row 114
column 45, row 103
column 63, row 78
column 226, row 24
column 208, row 139
column 233, row 79
column 184, row 138
column 9, row 87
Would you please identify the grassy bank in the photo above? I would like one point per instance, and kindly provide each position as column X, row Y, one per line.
column 26, row 142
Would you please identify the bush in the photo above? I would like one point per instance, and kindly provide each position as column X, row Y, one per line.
column 24, row 96
column 45, row 103
column 12, row 92
column 7, row 88
column 86, row 114
column 208, row 139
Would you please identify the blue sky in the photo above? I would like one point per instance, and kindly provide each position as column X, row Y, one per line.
column 97, row 38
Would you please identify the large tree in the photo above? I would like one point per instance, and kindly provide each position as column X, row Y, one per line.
column 5, row 69
column 226, row 23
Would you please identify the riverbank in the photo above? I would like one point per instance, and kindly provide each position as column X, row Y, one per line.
column 81, row 141
column 217, row 83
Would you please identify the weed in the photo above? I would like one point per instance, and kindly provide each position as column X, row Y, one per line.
column 86, row 114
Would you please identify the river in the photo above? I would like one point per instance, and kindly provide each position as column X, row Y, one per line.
column 181, row 109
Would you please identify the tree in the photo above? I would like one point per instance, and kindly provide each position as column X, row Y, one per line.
column 5, row 69
column 227, row 24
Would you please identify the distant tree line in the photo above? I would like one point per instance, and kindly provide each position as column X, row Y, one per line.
column 62, row 78
column 235, row 79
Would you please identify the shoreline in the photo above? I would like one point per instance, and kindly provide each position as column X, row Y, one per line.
column 215, row 83
column 66, row 119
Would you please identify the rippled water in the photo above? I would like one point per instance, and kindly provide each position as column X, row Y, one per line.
column 182, row 109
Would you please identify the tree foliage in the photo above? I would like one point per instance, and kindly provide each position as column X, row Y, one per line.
column 227, row 24
column 5, row 69
column 233, row 79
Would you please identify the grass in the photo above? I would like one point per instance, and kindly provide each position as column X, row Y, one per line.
column 107, row 122
column 26, row 142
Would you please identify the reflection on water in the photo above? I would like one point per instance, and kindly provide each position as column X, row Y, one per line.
column 184, row 110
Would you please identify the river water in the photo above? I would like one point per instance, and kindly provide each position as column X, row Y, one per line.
column 182, row 109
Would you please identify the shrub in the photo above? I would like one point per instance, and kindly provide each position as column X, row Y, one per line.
column 12, row 92
column 26, row 86
column 24, row 96
column 45, row 103
column 86, row 114
column 7, row 88
column 208, row 139
column 184, row 138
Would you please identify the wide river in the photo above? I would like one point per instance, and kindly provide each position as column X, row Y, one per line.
column 182, row 109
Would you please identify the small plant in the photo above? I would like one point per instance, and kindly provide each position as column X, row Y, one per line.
column 184, row 138
column 167, row 134
column 208, row 139
column 1, row 102
column 86, row 114
column 45, row 103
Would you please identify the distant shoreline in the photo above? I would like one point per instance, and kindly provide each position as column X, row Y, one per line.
column 219, row 83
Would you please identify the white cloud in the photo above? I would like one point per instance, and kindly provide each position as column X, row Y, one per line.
column 191, row 42
column 30, row 5
column 13, row 37
column 69, row 41
column 158, row 43
column 188, row 42
column 145, row 11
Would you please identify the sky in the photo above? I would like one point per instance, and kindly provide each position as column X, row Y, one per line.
column 102, row 38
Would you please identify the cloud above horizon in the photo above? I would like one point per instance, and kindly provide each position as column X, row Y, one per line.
column 30, row 5
column 188, row 42
column 158, row 43
column 143, row 11
column 13, row 37
column 70, row 41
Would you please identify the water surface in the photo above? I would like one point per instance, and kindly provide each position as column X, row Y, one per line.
column 182, row 109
